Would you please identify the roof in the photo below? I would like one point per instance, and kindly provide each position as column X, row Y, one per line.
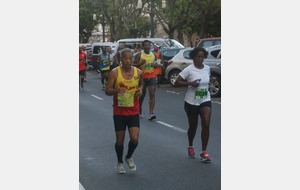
column 141, row 39
column 103, row 43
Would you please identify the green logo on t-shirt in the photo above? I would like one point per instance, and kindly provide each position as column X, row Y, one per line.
column 200, row 93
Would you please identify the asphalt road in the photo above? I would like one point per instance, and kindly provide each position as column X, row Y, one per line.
column 161, row 156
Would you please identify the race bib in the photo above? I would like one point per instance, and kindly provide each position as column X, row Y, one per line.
column 200, row 93
column 148, row 68
column 126, row 99
column 105, row 62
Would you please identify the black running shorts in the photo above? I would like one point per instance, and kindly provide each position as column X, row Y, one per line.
column 121, row 122
column 195, row 110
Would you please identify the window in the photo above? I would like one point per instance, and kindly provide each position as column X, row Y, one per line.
column 207, row 44
column 218, row 42
column 215, row 53
column 160, row 44
column 170, row 53
column 96, row 50
column 173, row 43
column 186, row 54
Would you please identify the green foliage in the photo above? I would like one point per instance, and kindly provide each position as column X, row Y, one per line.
column 86, row 22
column 125, row 20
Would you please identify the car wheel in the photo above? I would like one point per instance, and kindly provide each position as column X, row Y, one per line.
column 173, row 76
column 215, row 87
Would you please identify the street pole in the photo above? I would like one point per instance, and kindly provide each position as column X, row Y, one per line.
column 103, row 32
column 135, row 22
column 103, row 29
column 151, row 20
column 138, row 7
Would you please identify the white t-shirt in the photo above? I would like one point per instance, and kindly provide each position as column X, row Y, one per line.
column 197, row 95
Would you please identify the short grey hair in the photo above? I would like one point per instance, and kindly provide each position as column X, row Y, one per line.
column 125, row 50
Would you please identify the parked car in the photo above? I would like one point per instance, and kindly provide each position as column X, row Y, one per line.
column 182, row 59
column 207, row 42
column 167, row 55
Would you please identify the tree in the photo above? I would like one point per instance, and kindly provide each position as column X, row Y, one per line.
column 175, row 15
column 186, row 17
column 210, row 17
column 85, row 21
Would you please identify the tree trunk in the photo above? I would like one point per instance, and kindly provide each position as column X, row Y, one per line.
column 180, row 37
column 112, row 30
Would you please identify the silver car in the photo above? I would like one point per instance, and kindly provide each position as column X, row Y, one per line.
column 182, row 59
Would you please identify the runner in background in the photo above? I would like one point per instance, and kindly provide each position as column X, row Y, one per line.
column 82, row 68
column 104, row 66
column 145, row 60
column 85, row 61
column 158, row 69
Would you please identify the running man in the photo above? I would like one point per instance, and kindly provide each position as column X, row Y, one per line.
column 145, row 61
column 125, row 84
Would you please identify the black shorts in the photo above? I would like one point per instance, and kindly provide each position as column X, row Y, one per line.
column 105, row 73
column 148, row 81
column 121, row 122
column 195, row 110
column 82, row 72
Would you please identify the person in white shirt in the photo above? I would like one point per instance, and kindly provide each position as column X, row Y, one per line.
column 197, row 100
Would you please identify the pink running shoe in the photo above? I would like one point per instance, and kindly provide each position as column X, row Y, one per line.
column 204, row 157
column 191, row 152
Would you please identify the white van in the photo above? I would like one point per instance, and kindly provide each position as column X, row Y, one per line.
column 162, row 43
column 96, row 50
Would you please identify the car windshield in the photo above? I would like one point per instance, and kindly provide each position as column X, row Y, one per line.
column 160, row 44
column 174, row 44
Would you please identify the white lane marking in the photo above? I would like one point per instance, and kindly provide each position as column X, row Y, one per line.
column 171, row 126
column 81, row 187
column 89, row 158
column 96, row 97
column 172, row 92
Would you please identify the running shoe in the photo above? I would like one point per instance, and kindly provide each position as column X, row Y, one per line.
column 141, row 115
column 131, row 164
column 191, row 152
column 152, row 116
column 120, row 168
column 204, row 156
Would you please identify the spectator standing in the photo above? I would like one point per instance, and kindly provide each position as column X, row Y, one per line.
column 197, row 100
column 124, row 84
column 145, row 61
